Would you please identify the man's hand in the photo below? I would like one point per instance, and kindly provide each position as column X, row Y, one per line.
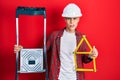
column 17, row 48
column 94, row 53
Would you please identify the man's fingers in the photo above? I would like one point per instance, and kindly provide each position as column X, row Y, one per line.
column 21, row 47
column 17, row 48
column 94, row 52
column 93, row 47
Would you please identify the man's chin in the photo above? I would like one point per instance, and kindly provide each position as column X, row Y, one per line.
column 72, row 29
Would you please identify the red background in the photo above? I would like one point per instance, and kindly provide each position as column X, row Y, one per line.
column 100, row 22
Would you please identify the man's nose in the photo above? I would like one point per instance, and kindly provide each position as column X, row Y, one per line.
column 71, row 20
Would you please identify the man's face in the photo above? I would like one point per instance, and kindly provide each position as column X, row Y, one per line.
column 71, row 23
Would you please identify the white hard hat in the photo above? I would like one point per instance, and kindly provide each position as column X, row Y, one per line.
column 71, row 10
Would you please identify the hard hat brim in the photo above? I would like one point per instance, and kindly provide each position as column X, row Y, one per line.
column 71, row 16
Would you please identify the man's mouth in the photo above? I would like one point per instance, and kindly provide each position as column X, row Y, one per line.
column 72, row 25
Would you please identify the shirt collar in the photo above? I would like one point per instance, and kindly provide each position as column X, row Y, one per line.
column 61, row 33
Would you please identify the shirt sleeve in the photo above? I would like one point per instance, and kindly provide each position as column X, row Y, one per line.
column 49, row 42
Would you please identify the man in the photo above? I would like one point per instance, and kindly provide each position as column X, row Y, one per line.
column 61, row 45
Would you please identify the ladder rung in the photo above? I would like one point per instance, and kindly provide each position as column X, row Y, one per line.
column 32, row 71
